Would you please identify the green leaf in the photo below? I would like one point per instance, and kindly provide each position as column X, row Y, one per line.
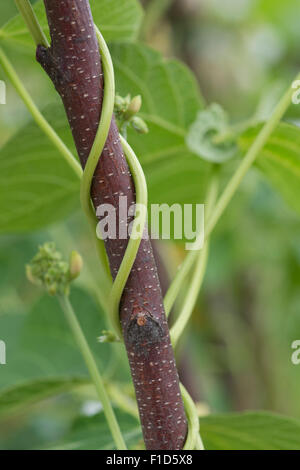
column 279, row 160
column 211, row 123
column 18, row 398
column 250, row 431
column 92, row 433
column 116, row 20
column 171, row 100
column 37, row 187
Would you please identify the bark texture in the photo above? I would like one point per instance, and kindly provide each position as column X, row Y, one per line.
column 74, row 65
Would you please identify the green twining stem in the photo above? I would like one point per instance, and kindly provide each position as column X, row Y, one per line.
column 98, row 145
column 138, row 224
column 138, row 178
column 193, row 440
column 134, row 242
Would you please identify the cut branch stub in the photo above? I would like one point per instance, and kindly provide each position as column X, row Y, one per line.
column 73, row 63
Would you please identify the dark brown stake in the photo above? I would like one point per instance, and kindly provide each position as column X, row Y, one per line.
column 73, row 63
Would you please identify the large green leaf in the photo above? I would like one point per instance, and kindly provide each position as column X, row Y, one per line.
column 171, row 100
column 116, row 20
column 280, row 160
column 38, row 187
column 250, row 431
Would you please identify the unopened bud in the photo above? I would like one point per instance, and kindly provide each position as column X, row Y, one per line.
column 122, row 103
column 76, row 264
column 108, row 337
column 30, row 276
column 134, row 107
column 139, row 125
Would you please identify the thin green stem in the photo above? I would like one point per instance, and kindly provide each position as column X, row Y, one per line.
column 232, row 132
column 193, row 440
column 249, row 159
column 122, row 399
column 182, row 273
column 191, row 296
column 26, row 10
column 97, row 147
column 199, row 443
column 94, row 372
column 192, row 256
column 201, row 258
column 124, row 131
column 37, row 116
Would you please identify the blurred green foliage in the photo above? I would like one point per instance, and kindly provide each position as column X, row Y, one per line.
column 236, row 354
